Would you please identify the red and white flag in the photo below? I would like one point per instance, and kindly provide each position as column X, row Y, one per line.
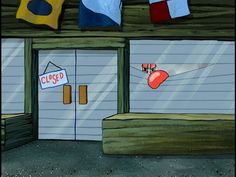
column 165, row 10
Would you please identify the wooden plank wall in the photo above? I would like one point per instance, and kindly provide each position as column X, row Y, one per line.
column 209, row 19
column 16, row 131
column 3, row 138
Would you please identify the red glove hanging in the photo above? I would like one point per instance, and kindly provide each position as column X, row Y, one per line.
column 156, row 77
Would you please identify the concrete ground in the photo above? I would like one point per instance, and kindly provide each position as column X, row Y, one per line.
column 85, row 159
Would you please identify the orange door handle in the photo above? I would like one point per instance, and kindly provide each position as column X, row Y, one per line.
column 67, row 97
column 83, row 94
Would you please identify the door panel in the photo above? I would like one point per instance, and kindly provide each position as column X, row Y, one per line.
column 95, row 68
column 56, row 120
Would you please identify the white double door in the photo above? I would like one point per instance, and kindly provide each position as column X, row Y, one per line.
column 97, row 69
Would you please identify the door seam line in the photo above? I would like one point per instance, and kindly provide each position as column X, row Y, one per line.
column 75, row 96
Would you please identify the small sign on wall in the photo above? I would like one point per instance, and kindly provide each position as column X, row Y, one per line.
column 53, row 79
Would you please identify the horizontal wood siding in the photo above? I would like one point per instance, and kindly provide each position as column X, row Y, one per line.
column 208, row 19
column 164, row 135
column 12, row 75
column 17, row 130
column 201, row 76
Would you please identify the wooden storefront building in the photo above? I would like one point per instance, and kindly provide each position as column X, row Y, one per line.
column 130, row 119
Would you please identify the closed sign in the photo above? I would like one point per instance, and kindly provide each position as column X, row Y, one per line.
column 53, row 79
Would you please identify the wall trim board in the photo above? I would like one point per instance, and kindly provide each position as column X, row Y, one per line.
column 156, row 116
column 70, row 43
column 222, row 38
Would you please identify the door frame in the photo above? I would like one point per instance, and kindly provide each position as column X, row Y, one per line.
column 32, row 47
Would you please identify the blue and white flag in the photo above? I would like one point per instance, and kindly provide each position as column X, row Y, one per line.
column 100, row 13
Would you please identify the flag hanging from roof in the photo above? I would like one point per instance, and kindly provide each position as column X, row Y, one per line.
column 40, row 12
column 165, row 10
column 100, row 13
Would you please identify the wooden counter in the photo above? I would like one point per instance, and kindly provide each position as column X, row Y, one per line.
column 16, row 130
column 164, row 134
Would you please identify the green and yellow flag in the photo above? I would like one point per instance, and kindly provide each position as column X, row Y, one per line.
column 40, row 12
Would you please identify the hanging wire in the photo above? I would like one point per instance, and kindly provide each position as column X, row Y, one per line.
column 135, row 68
column 201, row 77
column 220, row 75
column 52, row 64
column 184, row 73
column 164, row 85
column 191, row 70
column 138, row 76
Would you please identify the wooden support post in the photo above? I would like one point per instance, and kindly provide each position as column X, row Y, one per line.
column 123, row 79
column 31, row 84
column 34, row 93
column 28, row 71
